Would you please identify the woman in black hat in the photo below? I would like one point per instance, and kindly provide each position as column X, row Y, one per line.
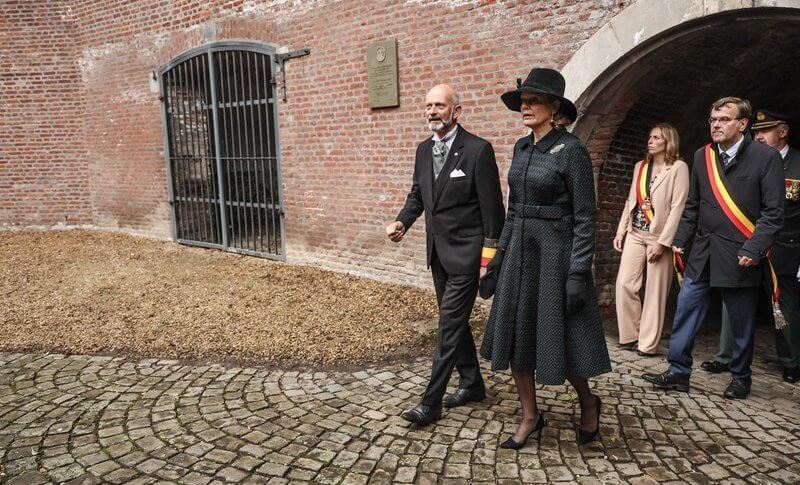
column 544, row 318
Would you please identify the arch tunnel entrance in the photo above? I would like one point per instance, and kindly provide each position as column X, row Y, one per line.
column 674, row 77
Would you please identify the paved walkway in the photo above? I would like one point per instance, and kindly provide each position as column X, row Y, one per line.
column 81, row 419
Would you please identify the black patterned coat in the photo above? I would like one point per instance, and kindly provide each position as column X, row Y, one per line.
column 548, row 234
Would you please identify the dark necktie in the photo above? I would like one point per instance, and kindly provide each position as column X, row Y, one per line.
column 439, row 155
column 726, row 159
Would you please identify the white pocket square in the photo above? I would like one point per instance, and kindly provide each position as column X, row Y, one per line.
column 456, row 173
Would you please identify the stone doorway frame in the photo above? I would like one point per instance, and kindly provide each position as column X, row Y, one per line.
column 637, row 31
column 602, row 76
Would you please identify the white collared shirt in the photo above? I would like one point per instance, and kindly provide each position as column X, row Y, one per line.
column 732, row 151
column 448, row 138
column 784, row 151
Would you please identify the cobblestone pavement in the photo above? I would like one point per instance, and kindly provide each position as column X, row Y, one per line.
column 81, row 419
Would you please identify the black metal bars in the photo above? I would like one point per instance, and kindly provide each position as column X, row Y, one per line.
column 219, row 114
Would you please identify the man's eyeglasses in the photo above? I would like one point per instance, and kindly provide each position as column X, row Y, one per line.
column 723, row 120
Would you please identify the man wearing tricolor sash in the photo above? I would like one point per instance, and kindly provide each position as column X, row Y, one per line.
column 772, row 129
column 734, row 209
column 456, row 185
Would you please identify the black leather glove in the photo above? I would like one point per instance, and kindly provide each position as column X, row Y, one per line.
column 576, row 293
column 489, row 281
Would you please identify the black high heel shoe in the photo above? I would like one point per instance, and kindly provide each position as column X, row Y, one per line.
column 513, row 445
column 586, row 436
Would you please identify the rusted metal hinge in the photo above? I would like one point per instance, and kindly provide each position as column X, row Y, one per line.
column 281, row 60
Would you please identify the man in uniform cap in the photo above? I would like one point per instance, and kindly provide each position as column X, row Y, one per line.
column 771, row 128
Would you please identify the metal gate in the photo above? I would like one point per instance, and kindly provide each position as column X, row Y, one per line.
column 219, row 114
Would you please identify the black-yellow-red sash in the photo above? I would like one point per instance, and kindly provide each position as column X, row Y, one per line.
column 643, row 189
column 733, row 212
column 677, row 263
column 487, row 254
column 642, row 182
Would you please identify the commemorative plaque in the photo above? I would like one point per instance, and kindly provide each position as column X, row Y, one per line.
column 382, row 74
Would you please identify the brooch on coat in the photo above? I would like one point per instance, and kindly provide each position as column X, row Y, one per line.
column 557, row 148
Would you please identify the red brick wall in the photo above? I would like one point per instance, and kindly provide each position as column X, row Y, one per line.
column 346, row 168
column 43, row 175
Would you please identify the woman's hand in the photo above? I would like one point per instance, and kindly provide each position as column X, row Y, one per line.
column 496, row 262
column 488, row 280
column 576, row 293
column 654, row 252
column 618, row 239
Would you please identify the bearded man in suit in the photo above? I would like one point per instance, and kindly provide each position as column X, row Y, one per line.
column 457, row 186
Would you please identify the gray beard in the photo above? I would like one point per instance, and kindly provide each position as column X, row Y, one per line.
column 439, row 125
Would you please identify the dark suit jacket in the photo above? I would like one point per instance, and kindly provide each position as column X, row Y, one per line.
column 786, row 250
column 755, row 177
column 459, row 212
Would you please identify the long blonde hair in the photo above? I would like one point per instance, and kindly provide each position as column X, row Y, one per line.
column 673, row 141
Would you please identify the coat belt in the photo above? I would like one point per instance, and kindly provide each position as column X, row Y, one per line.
column 542, row 211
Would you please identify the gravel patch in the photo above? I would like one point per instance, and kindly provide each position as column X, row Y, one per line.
column 99, row 293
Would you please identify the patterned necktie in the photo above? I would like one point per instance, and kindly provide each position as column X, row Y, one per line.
column 439, row 155
column 726, row 159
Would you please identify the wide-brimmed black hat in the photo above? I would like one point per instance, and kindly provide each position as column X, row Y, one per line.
column 544, row 81
column 767, row 119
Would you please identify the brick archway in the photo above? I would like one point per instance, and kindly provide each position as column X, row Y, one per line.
column 670, row 69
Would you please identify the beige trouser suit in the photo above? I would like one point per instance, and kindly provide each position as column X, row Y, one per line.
column 668, row 192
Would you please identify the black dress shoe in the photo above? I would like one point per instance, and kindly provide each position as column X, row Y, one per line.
column 737, row 389
column 645, row 354
column 668, row 380
column 587, row 436
column 463, row 396
column 714, row 366
column 423, row 415
column 510, row 444
column 791, row 374
column 629, row 345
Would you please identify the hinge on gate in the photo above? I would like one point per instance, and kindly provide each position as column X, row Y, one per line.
column 281, row 60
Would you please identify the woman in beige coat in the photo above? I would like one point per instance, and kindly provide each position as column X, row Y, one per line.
column 648, row 224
